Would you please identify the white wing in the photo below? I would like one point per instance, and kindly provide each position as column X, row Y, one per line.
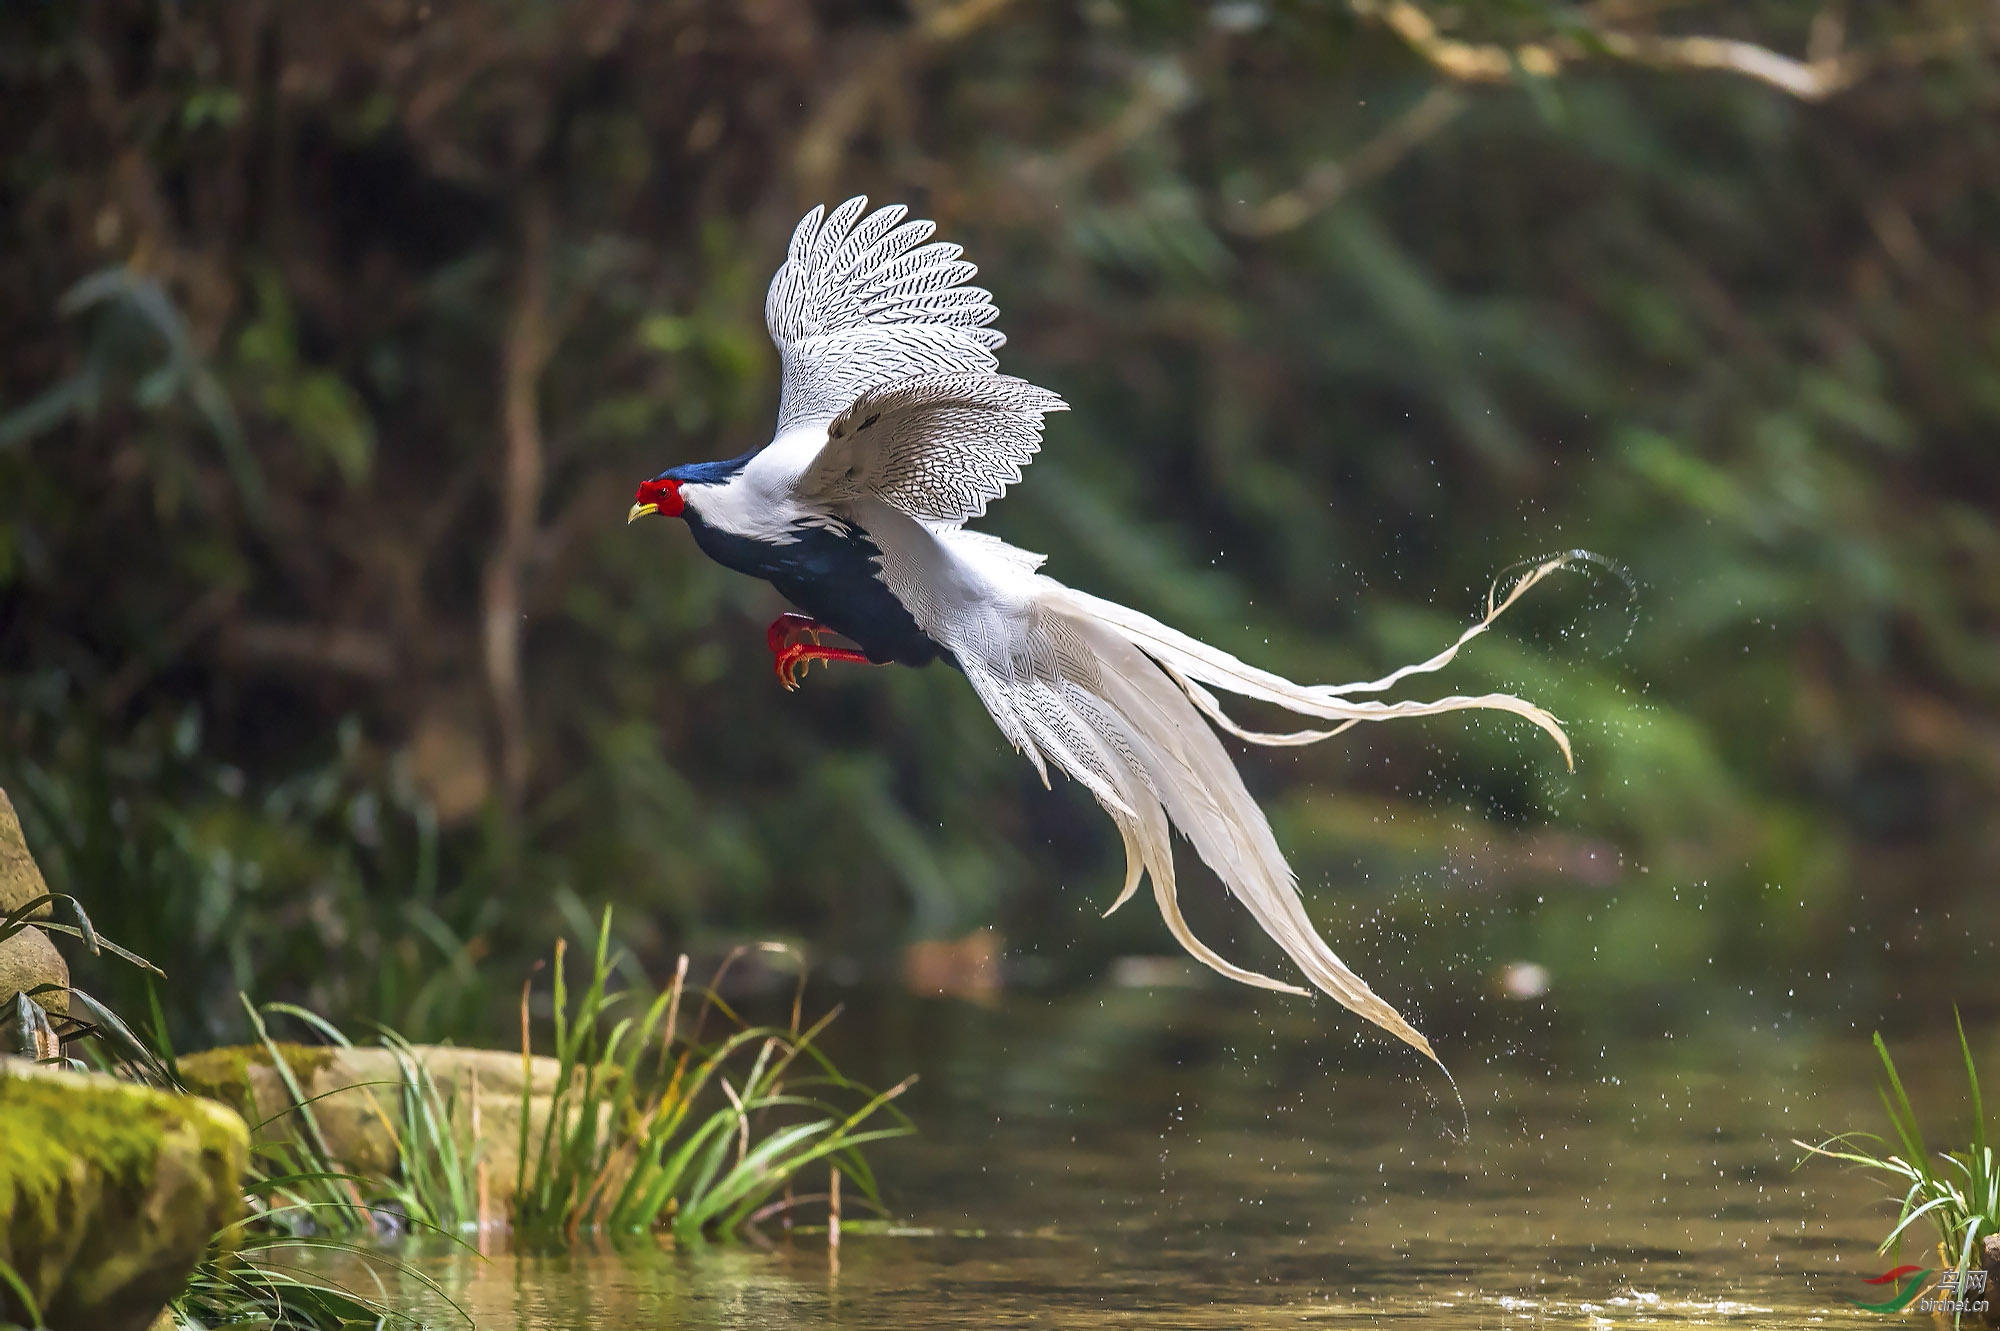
column 939, row 448
column 857, row 306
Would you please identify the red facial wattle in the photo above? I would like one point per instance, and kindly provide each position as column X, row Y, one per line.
column 662, row 496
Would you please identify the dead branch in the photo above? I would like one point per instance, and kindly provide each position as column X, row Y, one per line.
column 1827, row 72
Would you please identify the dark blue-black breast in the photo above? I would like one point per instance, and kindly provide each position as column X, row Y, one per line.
column 832, row 576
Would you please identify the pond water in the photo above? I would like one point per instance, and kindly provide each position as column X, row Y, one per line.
column 1198, row 1158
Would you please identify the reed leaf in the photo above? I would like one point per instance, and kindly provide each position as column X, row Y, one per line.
column 1958, row 1192
column 626, row 1148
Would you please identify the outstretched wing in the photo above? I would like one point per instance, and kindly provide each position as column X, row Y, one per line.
column 857, row 306
column 939, row 448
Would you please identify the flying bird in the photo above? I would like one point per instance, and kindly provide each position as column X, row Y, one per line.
column 895, row 428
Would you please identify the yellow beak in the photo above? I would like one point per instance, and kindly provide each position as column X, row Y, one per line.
column 640, row 511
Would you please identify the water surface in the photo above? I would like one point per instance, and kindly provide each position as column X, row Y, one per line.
column 1193, row 1158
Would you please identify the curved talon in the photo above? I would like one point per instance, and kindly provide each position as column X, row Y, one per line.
column 793, row 660
column 791, row 657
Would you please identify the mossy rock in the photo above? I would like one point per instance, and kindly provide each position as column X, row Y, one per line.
column 20, row 877
column 243, row 1075
column 110, row 1192
column 358, row 1104
column 29, row 959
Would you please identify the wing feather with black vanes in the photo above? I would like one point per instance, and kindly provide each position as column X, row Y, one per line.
column 860, row 303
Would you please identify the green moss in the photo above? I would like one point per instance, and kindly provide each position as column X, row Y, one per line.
column 110, row 1191
column 42, row 1134
column 224, row 1073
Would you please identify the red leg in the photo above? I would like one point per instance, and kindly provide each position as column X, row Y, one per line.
column 791, row 657
column 793, row 660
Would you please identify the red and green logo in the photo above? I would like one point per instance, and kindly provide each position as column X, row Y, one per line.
column 1909, row 1281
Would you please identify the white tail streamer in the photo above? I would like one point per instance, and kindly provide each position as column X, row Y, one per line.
column 1117, row 699
column 1193, row 663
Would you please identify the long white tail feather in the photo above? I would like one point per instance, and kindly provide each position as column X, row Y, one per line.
column 1117, row 699
column 1553, row 564
column 1122, row 703
column 1157, row 855
column 1135, row 867
column 992, row 692
column 1356, row 713
column 1189, row 661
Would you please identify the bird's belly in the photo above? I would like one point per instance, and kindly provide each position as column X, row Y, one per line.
column 832, row 576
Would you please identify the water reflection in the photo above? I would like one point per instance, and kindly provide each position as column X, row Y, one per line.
column 1168, row 1159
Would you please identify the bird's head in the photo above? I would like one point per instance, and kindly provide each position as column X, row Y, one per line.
column 671, row 492
column 660, row 495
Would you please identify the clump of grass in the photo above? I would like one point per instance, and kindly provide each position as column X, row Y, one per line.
column 645, row 1129
column 695, row 1140
column 262, row 1295
column 246, row 1279
column 438, row 1151
column 434, row 1186
column 1957, row 1191
column 300, row 1200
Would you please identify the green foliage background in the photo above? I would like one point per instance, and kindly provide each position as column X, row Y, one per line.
column 1346, row 334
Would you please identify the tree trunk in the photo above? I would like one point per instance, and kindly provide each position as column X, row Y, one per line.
column 522, row 358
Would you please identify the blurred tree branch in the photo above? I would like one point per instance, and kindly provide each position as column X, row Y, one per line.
column 1827, row 70
column 523, row 356
column 1328, row 181
column 207, row 611
column 888, row 72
